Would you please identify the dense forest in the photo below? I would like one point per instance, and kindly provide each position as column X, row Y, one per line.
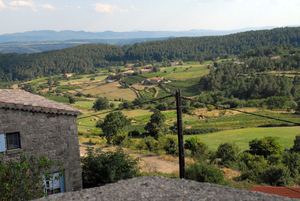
column 89, row 57
column 231, row 83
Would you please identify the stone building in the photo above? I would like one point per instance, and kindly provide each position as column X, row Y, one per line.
column 152, row 81
column 37, row 126
column 145, row 70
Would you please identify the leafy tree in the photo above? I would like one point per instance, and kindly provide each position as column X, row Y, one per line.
column 113, row 123
column 30, row 88
column 227, row 151
column 22, row 180
column 292, row 161
column 111, row 105
column 101, row 103
column 71, row 99
column 162, row 106
column 99, row 168
column 296, row 147
column 79, row 94
column 50, row 81
column 156, row 123
column 265, row 146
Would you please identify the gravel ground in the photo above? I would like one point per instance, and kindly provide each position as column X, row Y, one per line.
column 160, row 188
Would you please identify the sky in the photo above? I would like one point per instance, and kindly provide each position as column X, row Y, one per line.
column 146, row 15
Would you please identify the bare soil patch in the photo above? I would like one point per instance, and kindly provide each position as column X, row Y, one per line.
column 148, row 163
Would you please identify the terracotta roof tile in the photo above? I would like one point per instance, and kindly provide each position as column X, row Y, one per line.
column 23, row 100
column 291, row 192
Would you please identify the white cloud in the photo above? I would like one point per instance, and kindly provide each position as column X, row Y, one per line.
column 47, row 6
column 106, row 8
column 2, row 5
column 135, row 8
column 22, row 3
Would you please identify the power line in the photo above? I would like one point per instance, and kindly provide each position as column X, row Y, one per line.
column 259, row 115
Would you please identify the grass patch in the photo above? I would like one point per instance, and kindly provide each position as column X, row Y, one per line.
column 111, row 91
column 58, row 99
column 242, row 137
column 146, row 118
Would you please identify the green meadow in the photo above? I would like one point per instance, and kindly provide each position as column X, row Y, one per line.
column 241, row 137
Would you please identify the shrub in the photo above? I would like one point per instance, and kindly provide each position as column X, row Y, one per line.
column 99, row 168
column 252, row 175
column 292, row 161
column 119, row 138
column 134, row 133
column 149, row 141
column 276, row 176
column 21, row 180
column 210, row 107
column 274, row 159
column 197, row 131
column 127, row 142
column 169, row 144
column 197, row 147
column 227, row 152
column 251, row 162
column 265, row 146
column 296, row 147
column 140, row 145
column 204, row 173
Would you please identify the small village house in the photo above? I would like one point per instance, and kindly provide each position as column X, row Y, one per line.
column 111, row 76
column 130, row 65
column 38, row 126
column 152, row 81
column 144, row 71
column 129, row 72
column 67, row 75
column 174, row 63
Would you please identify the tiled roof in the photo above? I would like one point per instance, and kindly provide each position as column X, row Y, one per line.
column 129, row 71
column 156, row 78
column 291, row 192
column 22, row 100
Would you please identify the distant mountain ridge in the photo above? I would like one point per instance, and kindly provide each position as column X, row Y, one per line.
column 50, row 35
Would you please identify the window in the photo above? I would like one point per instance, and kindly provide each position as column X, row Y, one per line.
column 9, row 141
column 13, row 140
column 55, row 184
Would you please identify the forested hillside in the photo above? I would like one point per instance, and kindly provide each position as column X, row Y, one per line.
column 253, row 79
column 87, row 58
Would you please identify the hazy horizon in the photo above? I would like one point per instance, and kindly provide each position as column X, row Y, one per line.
column 18, row 16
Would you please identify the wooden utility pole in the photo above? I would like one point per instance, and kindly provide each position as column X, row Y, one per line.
column 180, row 134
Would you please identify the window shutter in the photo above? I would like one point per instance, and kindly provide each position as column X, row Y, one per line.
column 62, row 183
column 2, row 143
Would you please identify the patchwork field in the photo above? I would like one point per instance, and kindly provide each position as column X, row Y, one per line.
column 110, row 90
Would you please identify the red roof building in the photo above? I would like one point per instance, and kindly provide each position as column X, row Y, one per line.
column 291, row 192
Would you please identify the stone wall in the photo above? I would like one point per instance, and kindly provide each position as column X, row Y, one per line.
column 52, row 135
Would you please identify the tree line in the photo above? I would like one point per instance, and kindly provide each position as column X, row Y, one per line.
column 88, row 58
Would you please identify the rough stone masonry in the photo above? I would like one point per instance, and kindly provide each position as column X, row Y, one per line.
column 45, row 128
